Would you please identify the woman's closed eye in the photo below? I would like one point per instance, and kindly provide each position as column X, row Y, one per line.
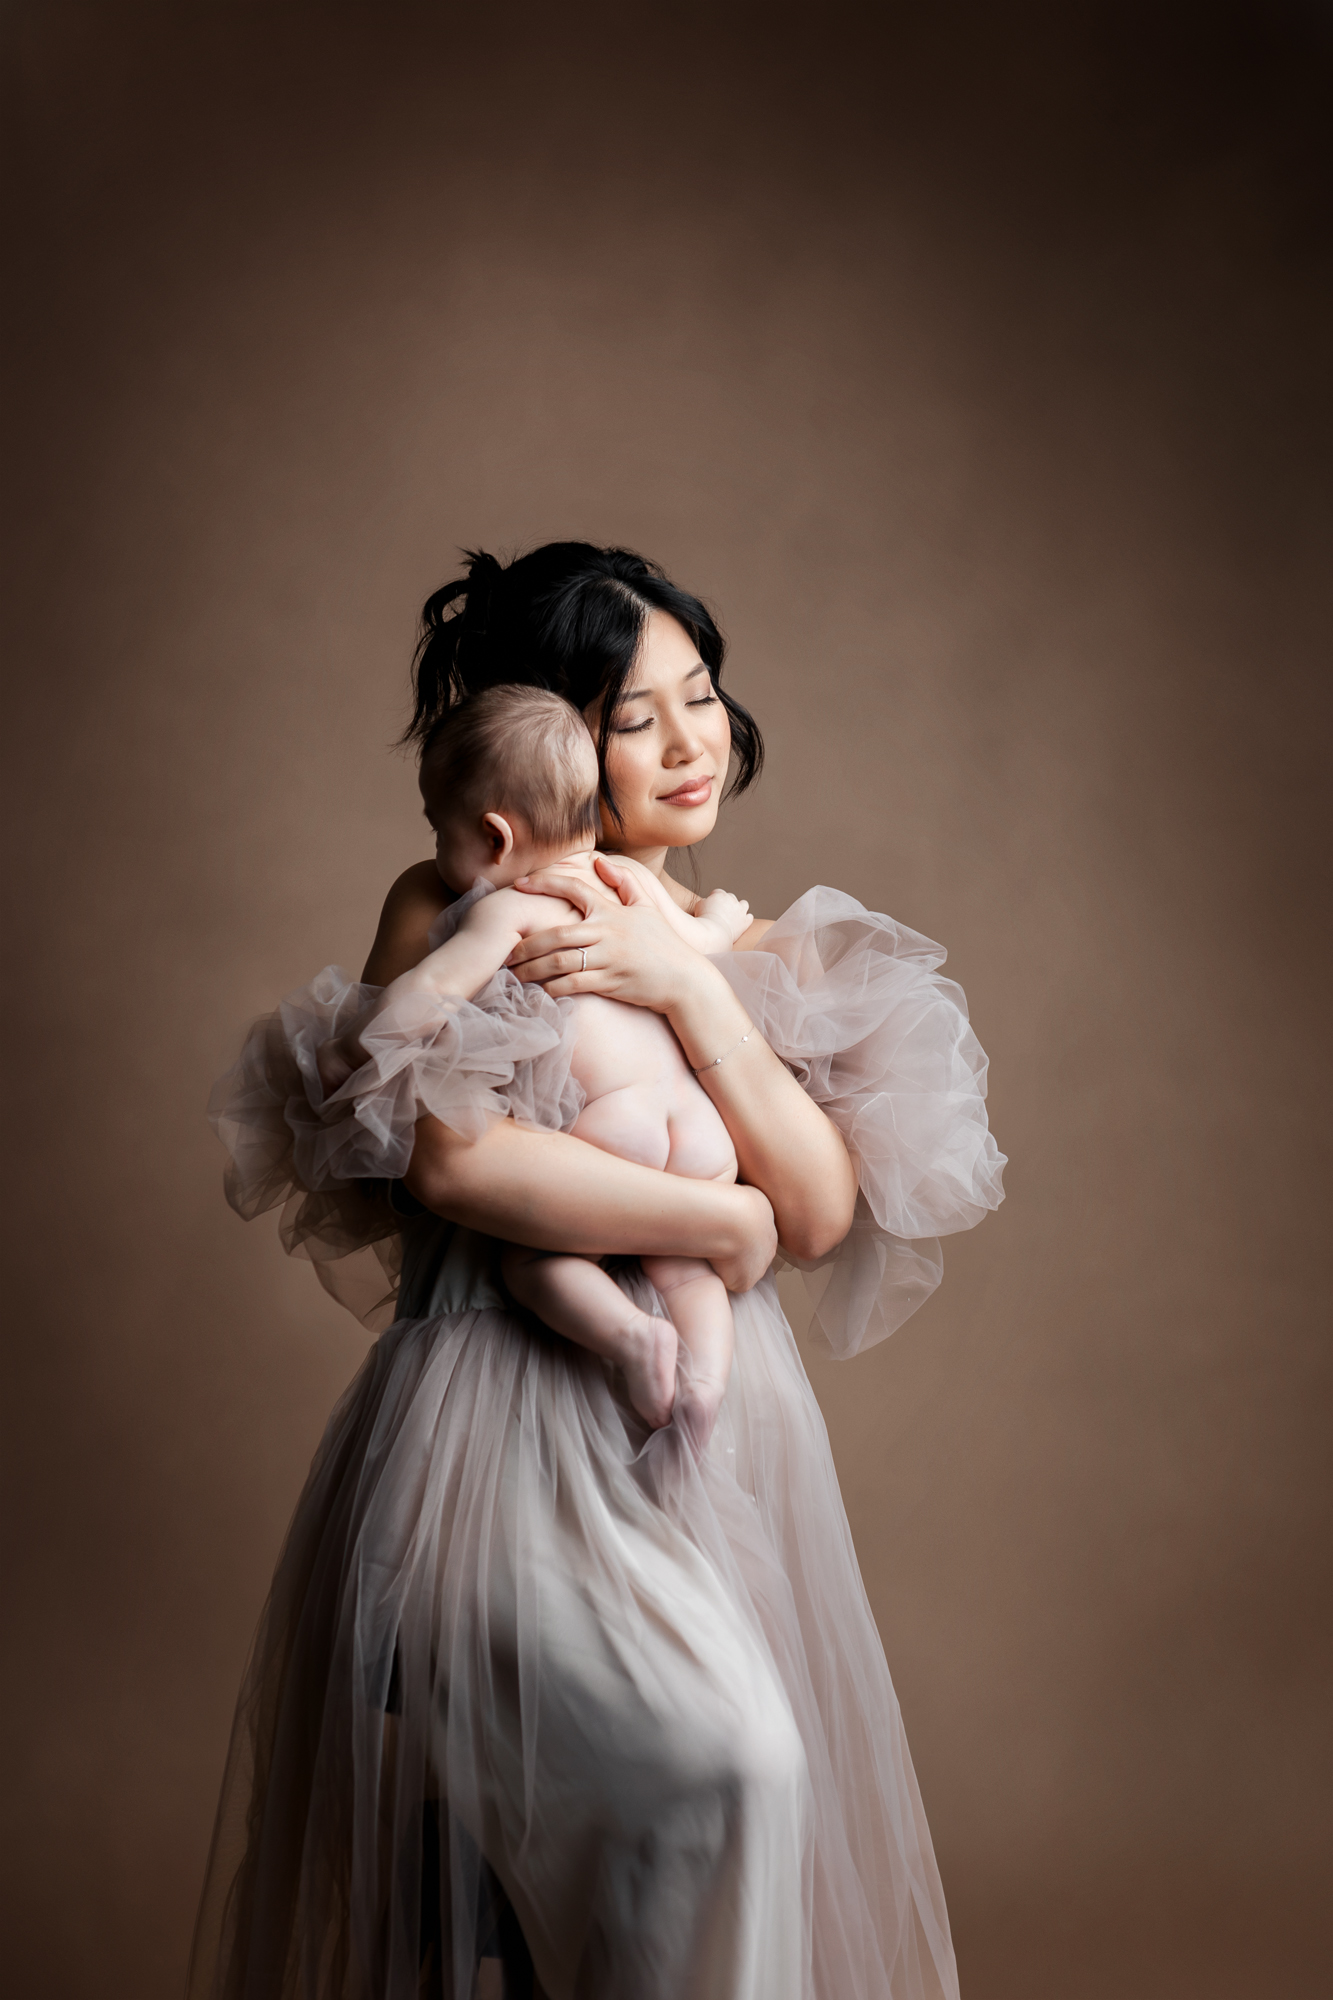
column 637, row 728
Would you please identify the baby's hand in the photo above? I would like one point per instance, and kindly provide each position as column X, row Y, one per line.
column 727, row 917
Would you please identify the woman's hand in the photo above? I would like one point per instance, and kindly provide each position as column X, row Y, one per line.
column 785, row 1144
column 621, row 948
column 743, row 1267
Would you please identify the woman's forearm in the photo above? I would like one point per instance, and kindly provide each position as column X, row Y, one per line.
column 785, row 1144
column 554, row 1192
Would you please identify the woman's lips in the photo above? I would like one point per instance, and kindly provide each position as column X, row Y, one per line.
column 696, row 793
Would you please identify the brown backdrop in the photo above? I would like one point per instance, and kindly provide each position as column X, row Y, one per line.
column 972, row 362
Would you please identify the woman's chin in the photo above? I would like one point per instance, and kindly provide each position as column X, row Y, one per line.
column 682, row 826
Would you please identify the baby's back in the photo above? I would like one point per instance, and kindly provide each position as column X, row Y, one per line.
column 644, row 1103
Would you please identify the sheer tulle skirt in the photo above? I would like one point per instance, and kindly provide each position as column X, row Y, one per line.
column 513, row 1638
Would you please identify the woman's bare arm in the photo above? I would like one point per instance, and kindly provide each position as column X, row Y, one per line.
column 785, row 1144
column 547, row 1189
column 554, row 1192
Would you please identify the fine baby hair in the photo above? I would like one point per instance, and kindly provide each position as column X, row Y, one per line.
column 520, row 751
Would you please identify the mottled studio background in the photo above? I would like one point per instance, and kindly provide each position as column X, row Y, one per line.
column 973, row 361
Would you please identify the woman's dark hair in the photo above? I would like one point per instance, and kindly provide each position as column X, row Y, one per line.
column 568, row 617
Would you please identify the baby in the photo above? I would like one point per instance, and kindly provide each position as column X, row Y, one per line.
column 511, row 787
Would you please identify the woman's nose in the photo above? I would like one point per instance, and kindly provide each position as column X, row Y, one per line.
column 684, row 743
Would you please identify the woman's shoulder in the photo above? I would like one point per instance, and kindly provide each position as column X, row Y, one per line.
column 402, row 940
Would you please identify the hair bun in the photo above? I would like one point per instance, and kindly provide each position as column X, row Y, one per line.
column 483, row 574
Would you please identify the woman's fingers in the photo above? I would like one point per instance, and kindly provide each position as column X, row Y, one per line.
column 757, row 1243
column 556, row 968
column 575, row 983
column 572, row 888
column 633, row 955
column 546, row 944
column 621, row 879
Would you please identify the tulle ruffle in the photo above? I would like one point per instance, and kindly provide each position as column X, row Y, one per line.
column 854, row 1004
column 326, row 1161
column 262, row 1113
column 851, row 1001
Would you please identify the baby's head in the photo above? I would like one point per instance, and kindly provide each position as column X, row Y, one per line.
column 510, row 783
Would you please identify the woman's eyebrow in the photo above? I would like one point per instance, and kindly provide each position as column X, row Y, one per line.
column 637, row 694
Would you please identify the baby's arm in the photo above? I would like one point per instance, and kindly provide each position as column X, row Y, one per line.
column 455, row 970
column 719, row 919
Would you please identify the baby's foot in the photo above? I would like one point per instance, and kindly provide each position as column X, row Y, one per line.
column 697, row 1406
column 649, row 1362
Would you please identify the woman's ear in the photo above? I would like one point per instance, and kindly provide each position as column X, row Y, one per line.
column 498, row 835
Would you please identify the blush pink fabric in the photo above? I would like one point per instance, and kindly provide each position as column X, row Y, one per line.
column 519, row 1646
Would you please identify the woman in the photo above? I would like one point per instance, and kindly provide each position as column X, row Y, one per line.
column 525, row 1662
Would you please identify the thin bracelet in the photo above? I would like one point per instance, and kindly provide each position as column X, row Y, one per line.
column 703, row 1067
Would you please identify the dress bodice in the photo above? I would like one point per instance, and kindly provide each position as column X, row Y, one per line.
column 445, row 1269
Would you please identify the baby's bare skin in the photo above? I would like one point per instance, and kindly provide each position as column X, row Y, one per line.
column 642, row 1103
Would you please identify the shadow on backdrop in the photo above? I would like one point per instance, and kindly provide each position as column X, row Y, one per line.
column 974, row 364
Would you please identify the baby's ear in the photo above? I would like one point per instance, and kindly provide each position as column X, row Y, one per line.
column 498, row 835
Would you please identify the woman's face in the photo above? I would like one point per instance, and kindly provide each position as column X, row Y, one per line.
column 667, row 754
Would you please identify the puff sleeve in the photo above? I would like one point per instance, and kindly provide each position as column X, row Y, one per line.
column 854, row 1004
column 325, row 1160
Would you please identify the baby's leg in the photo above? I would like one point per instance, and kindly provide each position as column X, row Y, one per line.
column 576, row 1297
column 697, row 1300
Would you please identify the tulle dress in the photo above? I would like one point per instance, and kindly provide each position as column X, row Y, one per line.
column 526, row 1668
